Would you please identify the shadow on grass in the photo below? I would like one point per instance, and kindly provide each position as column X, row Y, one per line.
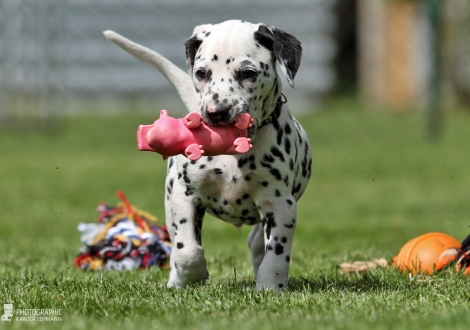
column 377, row 281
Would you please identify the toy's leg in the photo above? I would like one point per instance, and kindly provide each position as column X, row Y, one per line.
column 194, row 151
column 192, row 120
column 279, row 224
column 242, row 145
column 243, row 121
column 256, row 244
column 184, row 221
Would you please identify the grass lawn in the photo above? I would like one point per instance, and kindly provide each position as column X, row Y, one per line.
column 376, row 183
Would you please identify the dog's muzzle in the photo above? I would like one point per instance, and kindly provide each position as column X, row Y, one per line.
column 219, row 114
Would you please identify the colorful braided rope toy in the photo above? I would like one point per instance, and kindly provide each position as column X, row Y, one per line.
column 124, row 238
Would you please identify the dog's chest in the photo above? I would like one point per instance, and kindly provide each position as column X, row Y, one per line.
column 222, row 188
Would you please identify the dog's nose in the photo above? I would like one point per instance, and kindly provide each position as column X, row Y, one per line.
column 219, row 114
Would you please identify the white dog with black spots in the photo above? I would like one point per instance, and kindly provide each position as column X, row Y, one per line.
column 232, row 70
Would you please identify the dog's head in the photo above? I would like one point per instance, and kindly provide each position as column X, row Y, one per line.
column 233, row 67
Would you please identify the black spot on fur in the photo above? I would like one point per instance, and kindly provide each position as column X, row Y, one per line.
column 170, row 186
column 296, row 189
column 277, row 153
column 290, row 225
column 242, row 162
column 184, row 220
column 280, row 134
column 287, row 145
column 264, row 183
column 287, row 129
column 278, row 249
column 179, row 245
column 268, row 158
column 218, row 171
column 269, row 223
column 275, row 172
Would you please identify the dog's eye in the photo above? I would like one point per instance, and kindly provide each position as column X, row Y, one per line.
column 249, row 74
column 201, row 74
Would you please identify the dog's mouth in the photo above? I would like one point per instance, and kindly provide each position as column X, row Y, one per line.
column 227, row 115
column 219, row 121
column 223, row 114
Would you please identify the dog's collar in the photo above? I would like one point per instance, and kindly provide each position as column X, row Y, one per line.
column 276, row 113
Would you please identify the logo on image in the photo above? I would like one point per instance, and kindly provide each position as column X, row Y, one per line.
column 7, row 312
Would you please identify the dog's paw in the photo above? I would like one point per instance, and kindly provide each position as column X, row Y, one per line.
column 187, row 267
column 280, row 286
column 177, row 281
column 272, row 275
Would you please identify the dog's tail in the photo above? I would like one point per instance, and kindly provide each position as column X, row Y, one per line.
column 175, row 75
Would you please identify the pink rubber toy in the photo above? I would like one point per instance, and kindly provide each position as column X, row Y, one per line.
column 193, row 138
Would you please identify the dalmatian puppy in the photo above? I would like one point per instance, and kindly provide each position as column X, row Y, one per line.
column 232, row 70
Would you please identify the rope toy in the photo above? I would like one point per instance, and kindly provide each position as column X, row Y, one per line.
column 124, row 238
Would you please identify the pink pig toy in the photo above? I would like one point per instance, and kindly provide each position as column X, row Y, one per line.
column 193, row 138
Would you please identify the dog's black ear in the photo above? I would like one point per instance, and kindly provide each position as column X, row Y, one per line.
column 191, row 45
column 286, row 49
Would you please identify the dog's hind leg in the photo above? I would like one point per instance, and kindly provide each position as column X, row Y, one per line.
column 256, row 244
column 278, row 221
column 175, row 75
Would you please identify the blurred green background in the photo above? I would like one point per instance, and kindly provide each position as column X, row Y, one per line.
column 376, row 183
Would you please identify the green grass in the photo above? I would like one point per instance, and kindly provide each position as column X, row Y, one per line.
column 376, row 183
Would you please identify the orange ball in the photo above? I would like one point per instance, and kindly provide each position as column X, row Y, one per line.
column 421, row 254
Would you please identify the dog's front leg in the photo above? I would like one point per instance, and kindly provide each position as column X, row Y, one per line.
column 278, row 220
column 184, row 219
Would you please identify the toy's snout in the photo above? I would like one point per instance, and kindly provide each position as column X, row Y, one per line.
column 142, row 141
